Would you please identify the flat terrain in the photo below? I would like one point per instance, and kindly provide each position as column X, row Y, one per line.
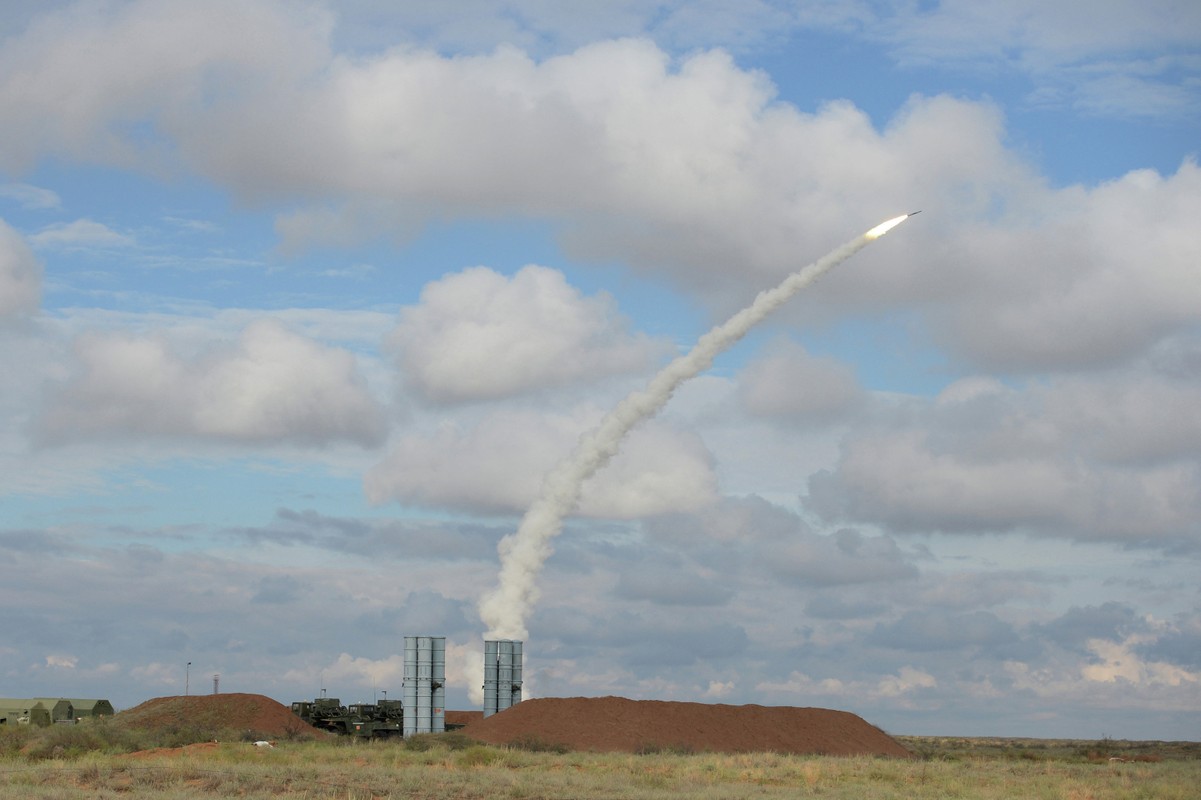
column 451, row 767
column 196, row 748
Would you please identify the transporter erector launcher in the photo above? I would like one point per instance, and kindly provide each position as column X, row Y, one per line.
column 502, row 675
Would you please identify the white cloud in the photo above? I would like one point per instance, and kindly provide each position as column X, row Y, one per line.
column 1113, row 59
column 271, row 385
column 363, row 672
column 1111, row 676
column 907, row 680
column 20, row 275
column 464, row 666
column 477, row 335
column 77, row 76
column 498, row 465
column 897, row 687
column 678, row 167
column 1121, row 57
column 1103, row 456
column 464, row 671
column 29, row 196
column 789, row 383
column 157, row 673
column 80, row 233
column 719, row 689
column 547, row 28
column 1106, row 274
column 62, row 662
column 1117, row 661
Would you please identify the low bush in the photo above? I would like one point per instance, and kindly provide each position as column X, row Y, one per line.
column 71, row 741
column 477, row 756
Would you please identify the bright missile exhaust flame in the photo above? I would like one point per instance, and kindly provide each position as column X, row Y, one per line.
column 886, row 226
column 523, row 552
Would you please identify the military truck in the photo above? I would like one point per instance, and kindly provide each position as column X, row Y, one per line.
column 366, row 720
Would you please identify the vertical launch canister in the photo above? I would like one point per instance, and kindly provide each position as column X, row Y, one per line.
column 424, row 680
column 502, row 675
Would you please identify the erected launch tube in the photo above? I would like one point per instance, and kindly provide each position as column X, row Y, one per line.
column 424, row 685
column 502, row 675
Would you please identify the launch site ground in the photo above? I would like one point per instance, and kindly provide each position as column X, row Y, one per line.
column 181, row 748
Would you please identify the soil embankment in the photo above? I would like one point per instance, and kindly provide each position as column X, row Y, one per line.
column 607, row 724
column 212, row 716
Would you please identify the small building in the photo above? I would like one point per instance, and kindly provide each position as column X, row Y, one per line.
column 60, row 708
column 92, row 708
column 23, row 711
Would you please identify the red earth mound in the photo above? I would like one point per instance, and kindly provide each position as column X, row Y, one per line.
column 215, row 715
column 618, row 724
column 457, row 719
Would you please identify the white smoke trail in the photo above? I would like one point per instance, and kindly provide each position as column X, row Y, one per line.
column 523, row 553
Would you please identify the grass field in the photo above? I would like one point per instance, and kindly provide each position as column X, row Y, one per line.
column 69, row 763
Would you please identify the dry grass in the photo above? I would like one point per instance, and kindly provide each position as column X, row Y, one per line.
column 454, row 769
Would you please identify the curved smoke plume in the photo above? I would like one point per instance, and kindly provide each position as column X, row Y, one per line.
column 522, row 553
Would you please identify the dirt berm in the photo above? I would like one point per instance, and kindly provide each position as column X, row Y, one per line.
column 618, row 724
column 205, row 717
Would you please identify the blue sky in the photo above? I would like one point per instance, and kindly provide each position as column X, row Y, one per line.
column 300, row 301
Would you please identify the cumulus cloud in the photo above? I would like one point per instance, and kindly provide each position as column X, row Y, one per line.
column 1118, row 661
column 156, row 673
column 79, row 75
column 1123, row 252
column 477, row 335
column 1098, row 456
column 363, row 672
column 681, row 167
column 20, row 275
column 498, row 465
column 464, row 670
column 1115, row 674
column 908, row 681
column 271, row 385
column 616, row 130
column 752, row 543
column 1126, row 57
column 790, row 384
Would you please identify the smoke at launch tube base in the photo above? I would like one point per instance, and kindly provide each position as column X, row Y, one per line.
column 523, row 553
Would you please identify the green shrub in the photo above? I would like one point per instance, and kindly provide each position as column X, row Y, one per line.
column 420, row 742
column 455, row 741
column 477, row 756
column 15, row 737
column 72, row 741
column 62, row 741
